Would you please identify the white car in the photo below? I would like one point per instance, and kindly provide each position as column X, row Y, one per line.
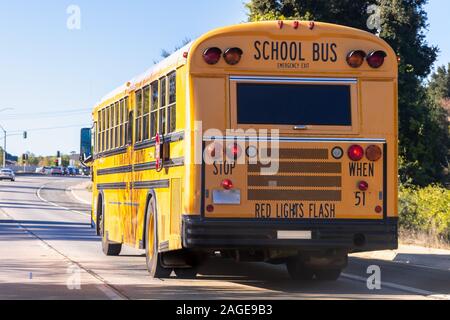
column 7, row 174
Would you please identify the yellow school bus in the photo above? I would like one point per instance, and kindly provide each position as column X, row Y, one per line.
column 270, row 141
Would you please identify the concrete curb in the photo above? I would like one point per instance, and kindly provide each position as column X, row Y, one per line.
column 81, row 193
column 413, row 255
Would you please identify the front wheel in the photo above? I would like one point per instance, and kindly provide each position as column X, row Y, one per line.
column 153, row 257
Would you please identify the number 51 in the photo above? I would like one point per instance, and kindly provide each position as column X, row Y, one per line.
column 360, row 199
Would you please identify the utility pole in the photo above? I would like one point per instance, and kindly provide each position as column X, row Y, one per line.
column 4, row 146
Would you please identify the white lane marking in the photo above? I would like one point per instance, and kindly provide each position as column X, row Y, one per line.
column 78, row 198
column 109, row 290
column 390, row 285
column 38, row 193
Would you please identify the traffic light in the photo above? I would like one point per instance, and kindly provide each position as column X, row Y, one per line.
column 58, row 154
column 56, row 162
column 25, row 134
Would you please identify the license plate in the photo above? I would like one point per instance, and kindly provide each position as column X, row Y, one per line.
column 226, row 197
column 294, row 235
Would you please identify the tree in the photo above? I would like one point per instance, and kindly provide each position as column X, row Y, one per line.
column 403, row 23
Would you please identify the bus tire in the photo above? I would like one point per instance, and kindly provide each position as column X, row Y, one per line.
column 298, row 271
column 153, row 258
column 328, row 274
column 109, row 248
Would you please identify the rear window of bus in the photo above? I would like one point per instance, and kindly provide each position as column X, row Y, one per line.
column 294, row 104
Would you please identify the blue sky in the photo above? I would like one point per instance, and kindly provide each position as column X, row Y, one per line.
column 52, row 76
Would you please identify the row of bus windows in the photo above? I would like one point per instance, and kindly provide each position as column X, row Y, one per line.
column 112, row 126
column 154, row 111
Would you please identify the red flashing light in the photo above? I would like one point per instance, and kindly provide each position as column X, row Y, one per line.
column 374, row 153
column 376, row 59
column 234, row 151
column 281, row 24
column 356, row 153
column 355, row 58
column 233, row 56
column 212, row 55
column 312, row 24
column 296, row 25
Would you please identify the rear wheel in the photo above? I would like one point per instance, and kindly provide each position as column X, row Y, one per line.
column 154, row 258
column 109, row 248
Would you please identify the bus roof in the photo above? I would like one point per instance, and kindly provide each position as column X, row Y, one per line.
column 267, row 28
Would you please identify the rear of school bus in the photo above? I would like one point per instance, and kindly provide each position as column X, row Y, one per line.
column 291, row 145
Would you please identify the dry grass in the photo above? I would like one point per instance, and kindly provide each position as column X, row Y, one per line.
column 408, row 237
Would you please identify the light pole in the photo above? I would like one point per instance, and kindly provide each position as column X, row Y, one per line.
column 4, row 146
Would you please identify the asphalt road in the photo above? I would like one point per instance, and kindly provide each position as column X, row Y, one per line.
column 49, row 251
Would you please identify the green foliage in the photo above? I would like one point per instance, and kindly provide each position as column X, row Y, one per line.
column 423, row 128
column 426, row 210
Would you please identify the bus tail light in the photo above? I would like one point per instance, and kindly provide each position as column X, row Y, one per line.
column 374, row 153
column 355, row 58
column 212, row 55
column 227, row 184
column 378, row 209
column 210, row 208
column 376, row 59
column 363, row 186
column 215, row 151
column 233, row 56
column 356, row 153
column 234, row 151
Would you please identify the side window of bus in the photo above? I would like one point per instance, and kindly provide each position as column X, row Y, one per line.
column 125, row 121
column 130, row 128
column 163, row 107
column 103, row 131
column 107, row 117
column 172, row 108
column 111, row 127
column 154, row 109
column 116, row 125
column 146, row 114
column 138, row 113
column 98, row 148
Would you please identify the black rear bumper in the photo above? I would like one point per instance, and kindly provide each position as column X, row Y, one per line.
column 351, row 235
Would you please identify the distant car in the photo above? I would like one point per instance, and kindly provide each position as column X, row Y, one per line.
column 47, row 170
column 40, row 170
column 7, row 174
column 86, row 171
column 56, row 171
column 72, row 171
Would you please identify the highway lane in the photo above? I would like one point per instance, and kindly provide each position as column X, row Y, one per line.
column 47, row 249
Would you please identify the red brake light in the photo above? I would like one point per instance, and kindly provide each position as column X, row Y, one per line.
column 355, row 153
column 363, row 186
column 212, row 55
column 210, row 208
column 374, row 153
column 355, row 58
column 233, row 56
column 234, row 151
column 376, row 59
column 227, row 184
